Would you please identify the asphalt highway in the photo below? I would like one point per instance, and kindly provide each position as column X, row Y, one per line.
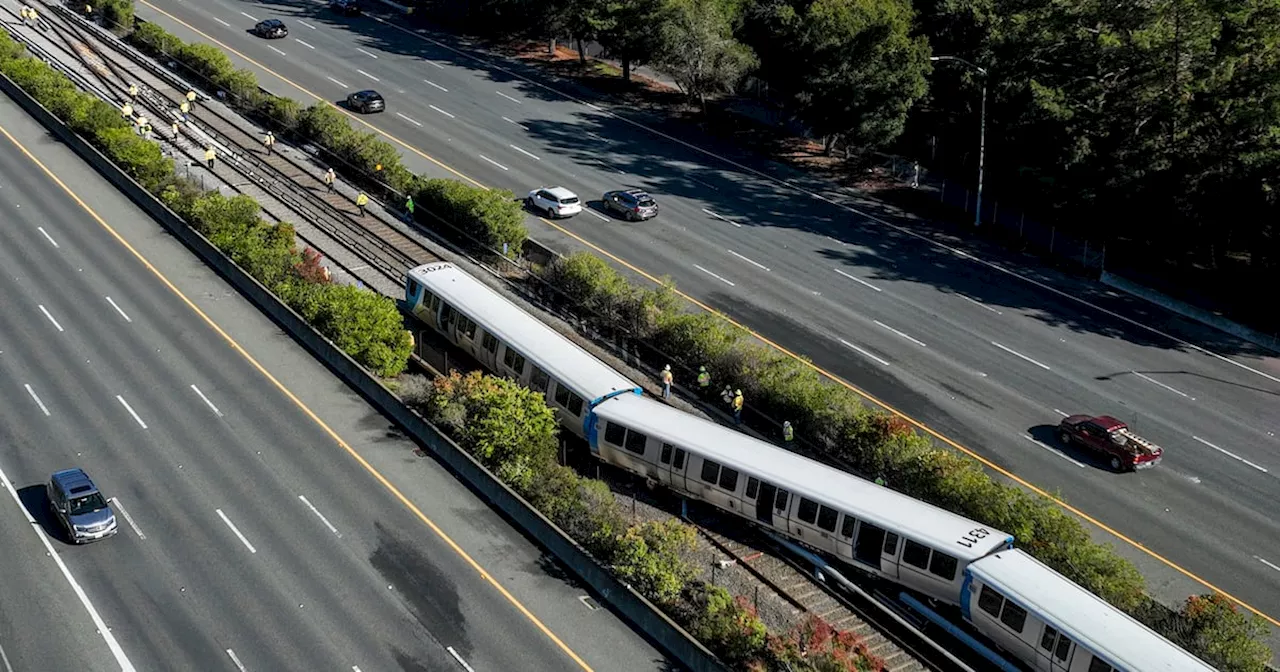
column 249, row 538
column 979, row 345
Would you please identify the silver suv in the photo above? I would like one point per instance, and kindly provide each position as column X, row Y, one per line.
column 80, row 507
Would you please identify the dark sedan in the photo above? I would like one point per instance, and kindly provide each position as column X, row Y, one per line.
column 346, row 7
column 272, row 29
column 631, row 204
column 366, row 101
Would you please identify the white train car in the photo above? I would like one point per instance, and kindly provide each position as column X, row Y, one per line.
column 868, row 526
column 1054, row 625
column 510, row 342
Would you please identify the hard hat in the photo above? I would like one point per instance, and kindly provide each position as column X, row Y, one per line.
column 666, row 368
column 702, row 368
column 737, row 391
column 786, row 423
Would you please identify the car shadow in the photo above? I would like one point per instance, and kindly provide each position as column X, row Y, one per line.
column 1047, row 436
column 35, row 498
column 598, row 206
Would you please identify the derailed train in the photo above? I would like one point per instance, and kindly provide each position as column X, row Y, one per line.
column 1030, row 611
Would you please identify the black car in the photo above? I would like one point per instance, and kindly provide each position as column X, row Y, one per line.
column 272, row 29
column 632, row 204
column 347, row 7
column 366, row 101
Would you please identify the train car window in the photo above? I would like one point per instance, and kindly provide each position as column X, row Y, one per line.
column 489, row 342
column 891, row 543
column 509, row 357
column 916, row 555
column 827, row 517
column 1064, row 647
column 665, row 458
column 943, row 565
column 434, row 304
column 414, row 288
column 808, row 511
column 753, row 487
column 519, row 365
column 846, row 529
column 468, row 327
column 447, row 316
column 990, row 601
column 1047, row 639
column 729, row 479
column 635, row 442
column 710, row 471
column 780, row 500
column 575, row 404
column 1013, row 616
column 678, row 465
column 614, row 434
column 562, row 395
column 1100, row 665
column 538, row 380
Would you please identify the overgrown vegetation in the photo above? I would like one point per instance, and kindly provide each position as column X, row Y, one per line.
column 366, row 325
column 512, row 431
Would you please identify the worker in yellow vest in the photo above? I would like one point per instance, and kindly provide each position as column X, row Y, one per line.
column 788, row 432
column 269, row 141
column 329, row 178
column 126, row 111
column 361, row 201
column 191, row 96
column 704, row 381
column 666, row 381
column 133, row 91
column 209, row 156
column 737, row 407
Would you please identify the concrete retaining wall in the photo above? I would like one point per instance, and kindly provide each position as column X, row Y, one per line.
column 1187, row 310
column 632, row 606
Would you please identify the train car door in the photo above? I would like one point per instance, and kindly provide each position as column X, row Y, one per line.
column 765, row 502
column 448, row 318
column 869, row 545
column 679, row 462
column 1055, row 651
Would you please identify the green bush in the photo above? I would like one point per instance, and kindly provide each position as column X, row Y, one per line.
column 651, row 558
column 364, row 152
column 610, row 302
column 1219, row 632
column 155, row 40
column 284, row 113
column 117, row 15
column 492, row 217
column 725, row 625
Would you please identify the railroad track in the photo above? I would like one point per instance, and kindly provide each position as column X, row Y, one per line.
column 383, row 249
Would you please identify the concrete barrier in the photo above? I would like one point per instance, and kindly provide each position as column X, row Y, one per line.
column 1189, row 311
column 632, row 606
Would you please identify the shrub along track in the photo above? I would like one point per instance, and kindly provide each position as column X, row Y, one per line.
column 384, row 249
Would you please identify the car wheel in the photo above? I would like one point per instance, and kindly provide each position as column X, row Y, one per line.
column 551, row 214
column 1115, row 464
column 1065, row 438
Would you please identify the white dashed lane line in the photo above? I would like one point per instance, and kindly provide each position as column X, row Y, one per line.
column 1231, row 455
column 366, row 53
column 436, row 85
column 857, row 280
column 1156, row 382
column 750, row 261
column 526, row 153
column 722, row 218
column 47, row 236
column 727, row 282
column 1019, row 355
column 517, row 102
column 222, row 22
column 119, row 310
column 276, row 50
column 412, row 121
column 235, row 529
column 307, row 25
column 1052, row 451
column 303, row 43
column 48, row 315
column 864, row 353
column 132, row 412
column 36, row 397
column 336, row 82
column 979, row 303
column 248, row 17
column 882, row 325
column 493, row 162
column 368, row 75
column 443, row 112
column 513, row 121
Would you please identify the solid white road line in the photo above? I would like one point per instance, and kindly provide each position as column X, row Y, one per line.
column 335, row 81
column 33, row 396
column 1060, row 413
column 222, row 22
column 1032, row 439
column 857, row 279
column 248, row 545
column 721, row 218
column 863, row 352
column 277, row 50
column 436, row 85
column 236, row 660
column 494, row 162
column 714, row 275
column 412, row 121
column 461, row 662
column 206, row 401
column 118, row 309
column 975, row 301
column 307, row 24
column 368, row 75
column 129, row 408
column 597, row 215
column 1153, row 380
column 127, row 518
column 917, row 342
column 513, row 121
column 529, row 154
column 122, row 659
column 5, row 659
column 1263, row 561
column 1015, row 353
column 320, row 516
column 1231, row 455
column 441, row 111
column 248, row 17
column 46, row 235
column 303, row 43
column 46, row 314
column 517, row 102
column 366, row 53
column 749, row 261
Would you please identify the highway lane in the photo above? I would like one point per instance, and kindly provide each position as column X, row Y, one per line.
column 220, row 550
column 796, row 285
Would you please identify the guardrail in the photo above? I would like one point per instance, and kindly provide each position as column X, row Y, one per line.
column 632, row 606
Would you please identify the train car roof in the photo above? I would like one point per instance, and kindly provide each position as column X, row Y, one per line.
column 558, row 356
column 800, row 475
column 1084, row 617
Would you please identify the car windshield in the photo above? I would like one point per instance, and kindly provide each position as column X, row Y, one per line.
column 86, row 504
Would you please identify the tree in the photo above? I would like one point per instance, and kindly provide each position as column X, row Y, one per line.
column 627, row 28
column 698, row 48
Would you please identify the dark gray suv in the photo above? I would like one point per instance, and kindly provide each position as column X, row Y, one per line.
column 631, row 204
column 80, row 507
column 366, row 101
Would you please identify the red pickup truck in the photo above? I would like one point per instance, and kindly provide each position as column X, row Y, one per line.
column 1110, row 437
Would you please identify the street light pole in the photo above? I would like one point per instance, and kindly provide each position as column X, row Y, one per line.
column 982, row 130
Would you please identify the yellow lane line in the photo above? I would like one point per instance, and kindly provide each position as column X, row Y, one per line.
column 304, row 408
column 837, row 379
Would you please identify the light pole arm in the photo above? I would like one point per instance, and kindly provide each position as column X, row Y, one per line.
column 982, row 130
